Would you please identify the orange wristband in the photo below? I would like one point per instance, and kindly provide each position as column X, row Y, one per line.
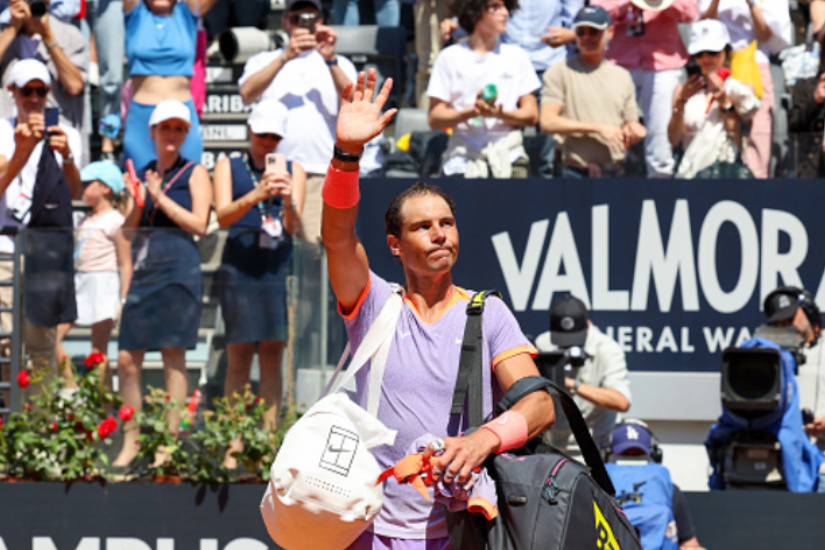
column 511, row 429
column 341, row 188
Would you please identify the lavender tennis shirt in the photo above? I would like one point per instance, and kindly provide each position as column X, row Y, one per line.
column 417, row 390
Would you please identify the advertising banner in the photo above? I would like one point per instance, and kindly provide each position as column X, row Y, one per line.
column 675, row 271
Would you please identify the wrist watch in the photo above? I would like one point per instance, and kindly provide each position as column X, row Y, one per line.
column 576, row 385
column 69, row 159
column 343, row 156
column 331, row 62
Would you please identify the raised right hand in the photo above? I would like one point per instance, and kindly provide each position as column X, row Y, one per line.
column 360, row 119
column 300, row 41
column 446, row 29
column 690, row 88
column 20, row 12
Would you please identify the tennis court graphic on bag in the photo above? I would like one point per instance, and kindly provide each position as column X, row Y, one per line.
column 546, row 500
column 340, row 450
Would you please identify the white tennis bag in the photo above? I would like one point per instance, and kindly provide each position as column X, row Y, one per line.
column 322, row 492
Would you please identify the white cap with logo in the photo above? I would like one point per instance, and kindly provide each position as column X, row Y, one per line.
column 268, row 117
column 26, row 70
column 168, row 109
column 708, row 35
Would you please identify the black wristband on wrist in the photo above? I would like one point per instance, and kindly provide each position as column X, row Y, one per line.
column 343, row 156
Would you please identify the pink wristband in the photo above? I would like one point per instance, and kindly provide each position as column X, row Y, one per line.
column 511, row 429
column 341, row 188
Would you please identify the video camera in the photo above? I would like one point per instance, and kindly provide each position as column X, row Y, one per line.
column 238, row 44
column 752, row 377
column 756, row 399
column 562, row 363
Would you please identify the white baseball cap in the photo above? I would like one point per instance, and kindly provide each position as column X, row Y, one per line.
column 708, row 35
column 26, row 70
column 268, row 117
column 168, row 109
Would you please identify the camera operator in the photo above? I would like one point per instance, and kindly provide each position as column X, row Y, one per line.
column 600, row 386
column 793, row 306
column 308, row 77
column 33, row 34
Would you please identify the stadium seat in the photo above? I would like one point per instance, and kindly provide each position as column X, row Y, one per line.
column 379, row 48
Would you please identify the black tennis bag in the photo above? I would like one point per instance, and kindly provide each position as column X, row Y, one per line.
column 546, row 500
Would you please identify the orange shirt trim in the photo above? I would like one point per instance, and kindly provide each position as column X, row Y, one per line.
column 512, row 353
column 351, row 315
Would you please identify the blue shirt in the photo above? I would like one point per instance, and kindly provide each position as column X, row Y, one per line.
column 529, row 23
column 162, row 45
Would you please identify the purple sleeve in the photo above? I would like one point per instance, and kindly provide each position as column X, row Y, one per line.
column 359, row 321
column 502, row 332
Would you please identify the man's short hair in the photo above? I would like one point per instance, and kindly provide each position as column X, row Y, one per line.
column 470, row 12
column 392, row 217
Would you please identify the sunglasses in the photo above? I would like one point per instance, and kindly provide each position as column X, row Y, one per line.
column 40, row 91
column 270, row 136
column 700, row 55
column 588, row 31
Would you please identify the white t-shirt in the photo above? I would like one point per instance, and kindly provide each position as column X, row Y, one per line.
column 736, row 15
column 458, row 75
column 605, row 367
column 306, row 87
column 811, row 383
column 24, row 182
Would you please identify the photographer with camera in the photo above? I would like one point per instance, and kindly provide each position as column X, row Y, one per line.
column 595, row 372
column 308, row 77
column 33, row 34
column 795, row 307
column 26, row 175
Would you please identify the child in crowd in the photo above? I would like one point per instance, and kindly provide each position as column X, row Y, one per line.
column 103, row 260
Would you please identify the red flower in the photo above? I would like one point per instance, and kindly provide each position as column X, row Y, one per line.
column 253, row 403
column 23, row 379
column 53, row 427
column 94, row 359
column 126, row 412
column 28, row 407
column 1, row 422
column 107, row 427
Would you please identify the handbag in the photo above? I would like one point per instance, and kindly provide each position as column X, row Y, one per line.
column 322, row 492
column 545, row 499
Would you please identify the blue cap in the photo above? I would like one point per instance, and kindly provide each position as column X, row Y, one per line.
column 106, row 172
column 592, row 16
column 631, row 436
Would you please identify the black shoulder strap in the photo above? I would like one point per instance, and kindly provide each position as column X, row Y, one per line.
column 469, row 379
column 529, row 384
